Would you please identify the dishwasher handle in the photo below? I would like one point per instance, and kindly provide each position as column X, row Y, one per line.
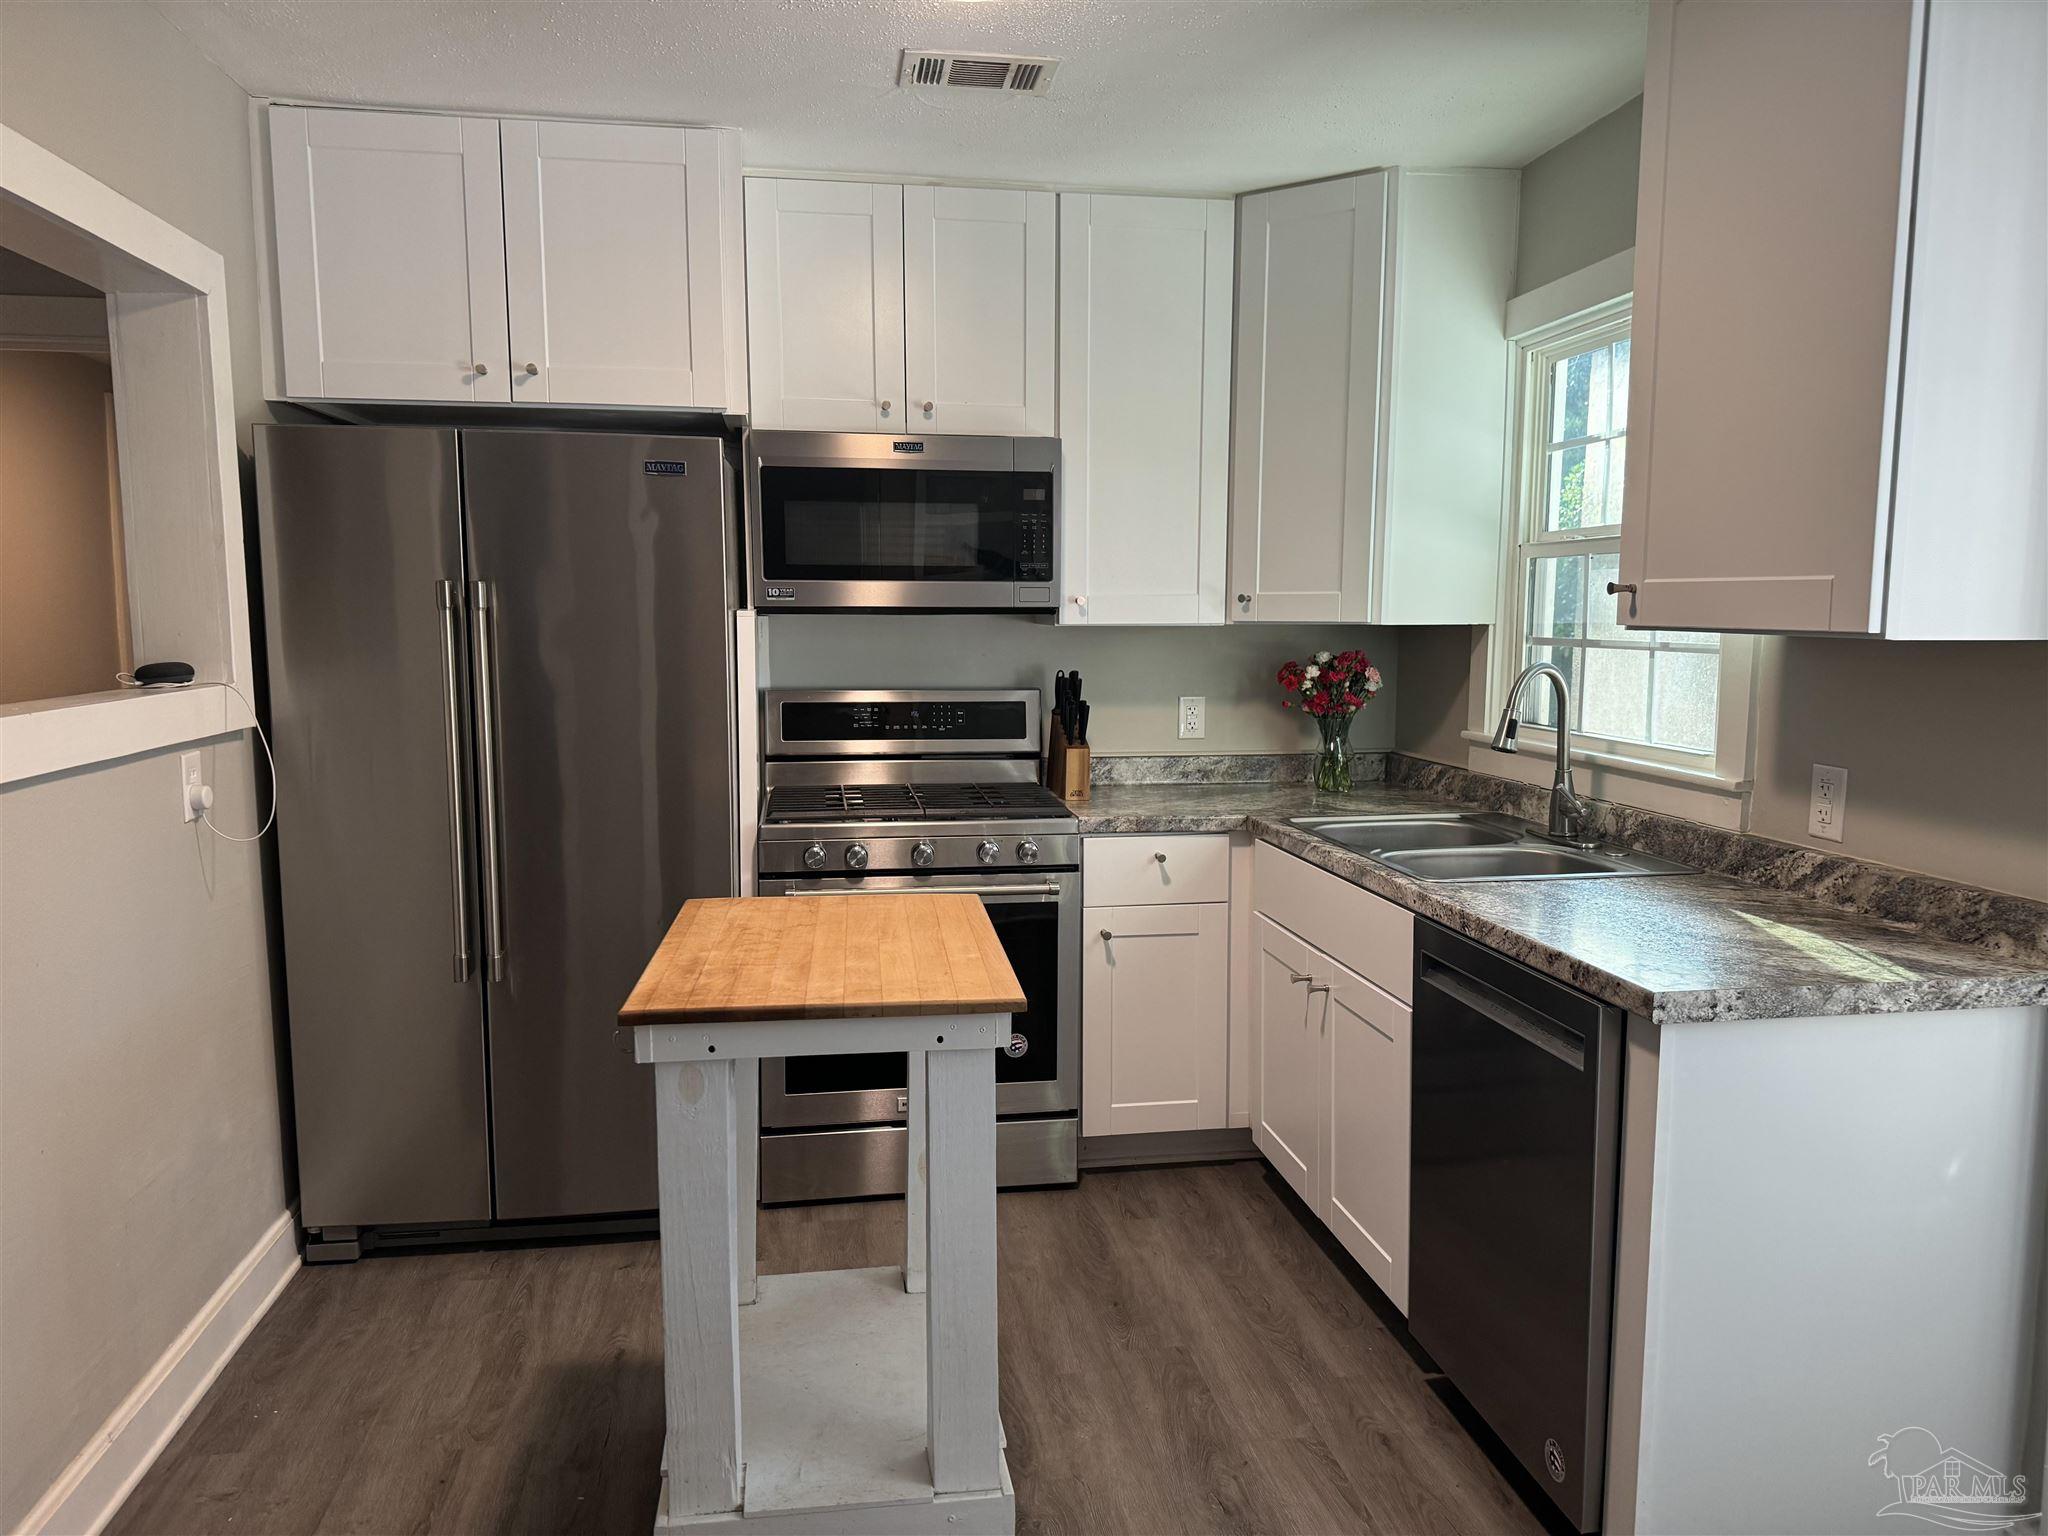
column 1547, row 1035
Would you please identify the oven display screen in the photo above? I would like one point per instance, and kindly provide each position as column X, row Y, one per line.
column 945, row 720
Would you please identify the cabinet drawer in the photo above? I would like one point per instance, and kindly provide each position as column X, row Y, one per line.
column 1355, row 928
column 1146, row 871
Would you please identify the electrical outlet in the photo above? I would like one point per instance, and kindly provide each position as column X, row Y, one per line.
column 1194, row 715
column 191, row 786
column 1830, row 801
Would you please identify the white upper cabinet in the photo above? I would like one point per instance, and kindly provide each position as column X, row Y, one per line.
column 1371, row 394
column 978, row 294
column 1145, row 296
column 390, row 256
column 1840, row 375
column 825, row 304
column 876, row 307
column 1311, row 274
column 430, row 258
column 614, row 266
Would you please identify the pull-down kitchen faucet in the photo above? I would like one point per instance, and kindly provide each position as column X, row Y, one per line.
column 1568, row 813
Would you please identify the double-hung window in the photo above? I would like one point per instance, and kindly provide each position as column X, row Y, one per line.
column 1652, row 696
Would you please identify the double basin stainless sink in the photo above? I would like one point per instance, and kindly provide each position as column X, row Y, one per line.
column 1475, row 845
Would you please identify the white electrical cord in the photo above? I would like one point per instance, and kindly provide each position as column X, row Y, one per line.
column 127, row 680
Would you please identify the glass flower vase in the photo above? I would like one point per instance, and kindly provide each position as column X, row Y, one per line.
column 1333, row 759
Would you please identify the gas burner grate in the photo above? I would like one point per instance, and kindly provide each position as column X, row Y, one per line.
column 909, row 802
column 841, row 802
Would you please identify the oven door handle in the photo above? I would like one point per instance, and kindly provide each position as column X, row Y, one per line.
column 1034, row 891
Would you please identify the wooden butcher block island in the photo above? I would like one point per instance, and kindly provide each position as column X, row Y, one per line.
column 854, row 1401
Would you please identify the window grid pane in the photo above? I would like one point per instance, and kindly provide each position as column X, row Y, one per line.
column 1656, row 689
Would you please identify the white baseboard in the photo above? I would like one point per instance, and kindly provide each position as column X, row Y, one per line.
column 102, row 1475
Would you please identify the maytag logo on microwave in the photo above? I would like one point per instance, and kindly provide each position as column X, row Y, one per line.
column 664, row 467
column 901, row 446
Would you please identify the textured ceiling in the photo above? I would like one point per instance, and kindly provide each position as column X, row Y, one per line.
column 1165, row 95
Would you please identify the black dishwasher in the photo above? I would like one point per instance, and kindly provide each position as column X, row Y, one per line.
column 1516, row 1119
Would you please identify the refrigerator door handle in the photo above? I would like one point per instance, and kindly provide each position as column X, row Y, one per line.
column 483, row 655
column 450, row 596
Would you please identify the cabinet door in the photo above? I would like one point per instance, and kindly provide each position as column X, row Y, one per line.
column 1144, row 408
column 825, row 305
column 1767, row 322
column 1155, row 1018
column 390, row 255
column 979, row 294
column 1311, row 294
column 1290, row 1096
column 612, row 263
column 1369, row 1087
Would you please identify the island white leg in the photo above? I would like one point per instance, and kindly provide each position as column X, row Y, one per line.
column 963, row 1417
column 695, row 1123
column 916, row 1161
column 748, row 1142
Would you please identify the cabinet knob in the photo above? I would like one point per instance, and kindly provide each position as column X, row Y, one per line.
column 1244, row 599
column 1615, row 588
column 927, row 407
column 1160, row 857
column 888, row 404
column 532, row 370
column 478, row 369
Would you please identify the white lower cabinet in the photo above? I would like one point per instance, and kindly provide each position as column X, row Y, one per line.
column 1331, row 1084
column 1287, row 1109
column 1155, row 1006
column 1368, row 1150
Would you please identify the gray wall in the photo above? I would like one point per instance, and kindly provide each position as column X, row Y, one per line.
column 140, row 1154
column 1579, row 199
column 1134, row 677
column 1946, row 744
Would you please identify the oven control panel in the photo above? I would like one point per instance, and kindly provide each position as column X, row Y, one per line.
column 794, row 851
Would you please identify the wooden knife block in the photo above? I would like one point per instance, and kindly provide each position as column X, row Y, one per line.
column 1066, row 765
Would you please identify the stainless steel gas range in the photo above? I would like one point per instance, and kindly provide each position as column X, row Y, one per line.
column 923, row 790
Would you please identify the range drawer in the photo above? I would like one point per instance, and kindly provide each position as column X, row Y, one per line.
column 1143, row 870
column 1368, row 933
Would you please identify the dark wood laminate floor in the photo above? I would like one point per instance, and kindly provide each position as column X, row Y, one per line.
column 1179, row 1354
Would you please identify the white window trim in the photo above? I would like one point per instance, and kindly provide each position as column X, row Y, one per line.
column 1713, row 788
column 168, row 334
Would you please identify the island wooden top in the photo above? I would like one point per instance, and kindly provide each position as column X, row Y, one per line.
column 825, row 957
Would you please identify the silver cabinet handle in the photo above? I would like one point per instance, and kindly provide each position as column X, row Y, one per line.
column 887, row 404
column 450, row 598
column 1297, row 976
column 1244, row 599
column 1160, row 857
column 927, row 407
column 531, row 369
column 483, row 659
column 1107, row 935
column 1616, row 588
column 478, row 369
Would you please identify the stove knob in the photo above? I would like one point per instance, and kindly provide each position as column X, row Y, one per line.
column 987, row 850
column 857, row 856
column 814, row 856
column 1027, row 852
column 923, row 854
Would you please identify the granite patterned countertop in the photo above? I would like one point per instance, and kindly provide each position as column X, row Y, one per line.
column 1677, row 949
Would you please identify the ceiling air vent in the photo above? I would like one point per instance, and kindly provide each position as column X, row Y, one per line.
column 977, row 72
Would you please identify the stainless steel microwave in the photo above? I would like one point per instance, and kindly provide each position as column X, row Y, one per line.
column 869, row 520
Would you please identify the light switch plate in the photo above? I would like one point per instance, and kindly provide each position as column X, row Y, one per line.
column 1194, row 715
column 1830, row 800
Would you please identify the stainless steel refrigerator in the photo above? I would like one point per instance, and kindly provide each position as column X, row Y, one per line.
column 501, row 696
